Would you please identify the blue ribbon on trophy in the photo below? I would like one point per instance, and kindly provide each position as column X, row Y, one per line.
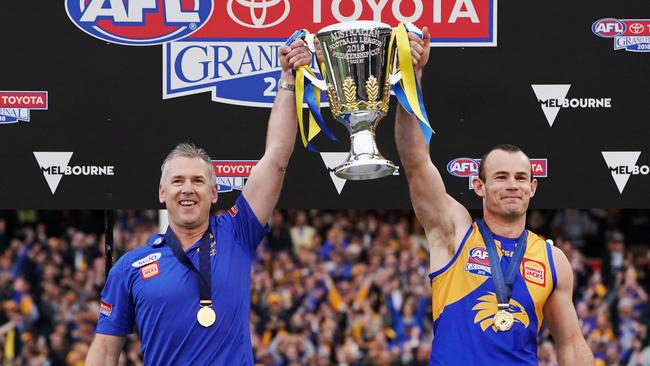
column 407, row 88
column 309, row 93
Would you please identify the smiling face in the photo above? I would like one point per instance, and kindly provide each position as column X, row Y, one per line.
column 187, row 192
column 508, row 186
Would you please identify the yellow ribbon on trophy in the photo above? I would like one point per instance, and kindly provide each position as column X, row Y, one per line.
column 307, row 92
column 407, row 90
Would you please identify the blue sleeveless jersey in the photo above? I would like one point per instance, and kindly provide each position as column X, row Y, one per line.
column 464, row 304
column 148, row 287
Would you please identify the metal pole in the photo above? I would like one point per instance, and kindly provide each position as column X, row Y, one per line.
column 108, row 242
column 163, row 221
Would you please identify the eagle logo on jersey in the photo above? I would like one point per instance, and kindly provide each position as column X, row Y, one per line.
column 487, row 308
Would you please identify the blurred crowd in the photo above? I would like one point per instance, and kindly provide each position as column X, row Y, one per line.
column 328, row 287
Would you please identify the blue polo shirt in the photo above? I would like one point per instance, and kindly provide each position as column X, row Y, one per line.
column 150, row 288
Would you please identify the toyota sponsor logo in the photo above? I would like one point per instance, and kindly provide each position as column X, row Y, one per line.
column 637, row 28
column 553, row 97
column 55, row 165
column 235, row 56
column 629, row 34
column 258, row 14
column 232, row 174
column 623, row 165
column 139, row 23
column 15, row 106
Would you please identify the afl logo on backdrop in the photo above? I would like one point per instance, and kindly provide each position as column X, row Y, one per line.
column 139, row 22
column 463, row 167
column 258, row 14
column 608, row 27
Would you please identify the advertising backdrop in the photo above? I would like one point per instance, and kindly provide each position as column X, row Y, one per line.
column 94, row 93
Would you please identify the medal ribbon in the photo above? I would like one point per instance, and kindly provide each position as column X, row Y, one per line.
column 204, row 271
column 503, row 287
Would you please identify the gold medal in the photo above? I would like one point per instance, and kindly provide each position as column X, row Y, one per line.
column 503, row 321
column 206, row 316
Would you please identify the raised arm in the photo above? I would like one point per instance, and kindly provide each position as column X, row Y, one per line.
column 263, row 187
column 560, row 314
column 105, row 350
column 443, row 218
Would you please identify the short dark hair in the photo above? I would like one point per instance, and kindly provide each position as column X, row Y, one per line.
column 503, row 147
column 189, row 150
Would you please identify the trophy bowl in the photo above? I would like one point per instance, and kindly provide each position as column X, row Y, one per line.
column 358, row 63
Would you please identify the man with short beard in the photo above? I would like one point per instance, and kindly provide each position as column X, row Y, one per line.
column 493, row 281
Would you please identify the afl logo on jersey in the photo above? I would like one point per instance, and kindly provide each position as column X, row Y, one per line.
column 478, row 262
column 139, row 22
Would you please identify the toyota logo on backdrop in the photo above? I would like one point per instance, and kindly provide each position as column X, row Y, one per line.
column 637, row 28
column 259, row 12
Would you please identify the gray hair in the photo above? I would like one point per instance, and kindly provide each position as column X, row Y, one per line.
column 189, row 150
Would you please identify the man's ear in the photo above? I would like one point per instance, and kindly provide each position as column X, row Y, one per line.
column 533, row 187
column 214, row 194
column 161, row 194
column 479, row 186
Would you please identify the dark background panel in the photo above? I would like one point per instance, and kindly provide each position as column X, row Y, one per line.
column 106, row 106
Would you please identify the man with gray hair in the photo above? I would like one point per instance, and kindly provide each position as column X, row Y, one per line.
column 188, row 291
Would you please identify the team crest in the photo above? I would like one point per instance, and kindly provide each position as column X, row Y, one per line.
column 487, row 308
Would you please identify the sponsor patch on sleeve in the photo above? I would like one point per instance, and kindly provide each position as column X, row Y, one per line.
column 233, row 211
column 534, row 272
column 105, row 308
column 150, row 270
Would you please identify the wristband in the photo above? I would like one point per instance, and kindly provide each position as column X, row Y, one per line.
column 286, row 85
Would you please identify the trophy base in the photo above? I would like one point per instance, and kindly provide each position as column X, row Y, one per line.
column 363, row 169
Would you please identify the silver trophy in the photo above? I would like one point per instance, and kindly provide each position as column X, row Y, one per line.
column 358, row 69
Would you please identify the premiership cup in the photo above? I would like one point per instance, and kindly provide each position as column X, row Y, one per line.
column 358, row 64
